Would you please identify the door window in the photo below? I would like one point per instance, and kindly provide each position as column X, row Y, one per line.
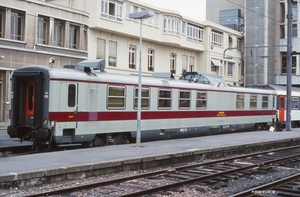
column 71, row 95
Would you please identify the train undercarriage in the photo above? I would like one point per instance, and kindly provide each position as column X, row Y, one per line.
column 45, row 139
column 97, row 140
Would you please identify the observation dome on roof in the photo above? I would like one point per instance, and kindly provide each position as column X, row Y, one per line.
column 205, row 78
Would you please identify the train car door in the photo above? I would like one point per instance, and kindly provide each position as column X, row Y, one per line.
column 281, row 108
column 30, row 102
column 70, row 103
column 27, row 99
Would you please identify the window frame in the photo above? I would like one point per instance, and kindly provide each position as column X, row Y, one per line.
column 59, row 33
column 216, row 38
column 143, row 98
column 201, row 102
column 195, row 33
column 230, row 69
column 112, row 54
column 171, row 25
column 30, row 96
column 295, row 102
column 239, row 43
column 253, row 102
column 182, row 100
column 112, row 9
column 162, row 100
column 132, row 57
column 230, row 41
column 17, row 25
column 265, row 102
column 71, row 95
column 191, row 62
column 173, row 63
column 101, row 46
column 115, row 97
column 184, row 63
column 43, row 30
column 150, row 60
column 240, row 101
column 74, row 32
column 284, row 64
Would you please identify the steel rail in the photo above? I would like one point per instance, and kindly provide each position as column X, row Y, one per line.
column 268, row 186
column 207, row 177
column 168, row 171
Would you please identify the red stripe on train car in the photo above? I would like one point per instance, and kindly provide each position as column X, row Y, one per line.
column 150, row 115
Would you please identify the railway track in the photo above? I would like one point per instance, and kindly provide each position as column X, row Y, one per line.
column 288, row 187
column 208, row 172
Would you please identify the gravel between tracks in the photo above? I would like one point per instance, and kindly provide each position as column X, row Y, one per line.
column 218, row 189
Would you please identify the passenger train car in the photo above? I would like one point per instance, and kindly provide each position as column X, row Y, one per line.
column 281, row 104
column 79, row 105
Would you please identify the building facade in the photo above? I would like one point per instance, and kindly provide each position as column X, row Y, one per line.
column 32, row 31
column 261, row 56
column 266, row 27
column 171, row 42
column 280, row 77
column 260, row 23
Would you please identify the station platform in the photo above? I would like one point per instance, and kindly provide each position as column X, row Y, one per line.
column 6, row 141
column 28, row 170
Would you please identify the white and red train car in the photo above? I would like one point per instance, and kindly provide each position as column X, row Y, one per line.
column 282, row 102
column 63, row 106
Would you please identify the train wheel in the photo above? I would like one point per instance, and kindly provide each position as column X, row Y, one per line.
column 258, row 127
column 98, row 141
column 124, row 140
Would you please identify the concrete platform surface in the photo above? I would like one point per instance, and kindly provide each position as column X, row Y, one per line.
column 6, row 141
column 129, row 152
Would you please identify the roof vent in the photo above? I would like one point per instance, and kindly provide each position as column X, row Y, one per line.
column 98, row 64
column 166, row 75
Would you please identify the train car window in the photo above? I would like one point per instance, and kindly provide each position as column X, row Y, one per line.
column 116, row 97
column 282, row 102
column 240, row 101
column 30, row 98
column 71, row 95
column 184, row 99
column 265, row 102
column 253, row 101
column 295, row 103
column 145, row 98
column 201, row 100
column 164, row 99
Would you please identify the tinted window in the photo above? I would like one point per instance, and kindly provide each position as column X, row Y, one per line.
column 71, row 95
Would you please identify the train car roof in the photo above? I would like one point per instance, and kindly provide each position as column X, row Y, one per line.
column 124, row 79
column 279, row 89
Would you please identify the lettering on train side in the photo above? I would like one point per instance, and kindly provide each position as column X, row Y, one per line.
column 221, row 113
